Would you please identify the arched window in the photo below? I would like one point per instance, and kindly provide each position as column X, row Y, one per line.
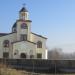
column 39, row 44
column 24, row 26
column 6, row 43
column 23, row 55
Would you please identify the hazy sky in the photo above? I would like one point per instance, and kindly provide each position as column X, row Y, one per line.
column 54, row 19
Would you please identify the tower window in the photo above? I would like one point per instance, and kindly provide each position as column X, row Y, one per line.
column 39, row 44
column 23, row 14
column 6, row 43
column 24, row 26
column 23, row 37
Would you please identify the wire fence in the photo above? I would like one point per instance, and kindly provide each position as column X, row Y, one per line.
column 39, row 66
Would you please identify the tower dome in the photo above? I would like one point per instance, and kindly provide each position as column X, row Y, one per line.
column 23, row 9
column 23, row 14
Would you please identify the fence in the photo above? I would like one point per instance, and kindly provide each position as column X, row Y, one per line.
column 41, row 66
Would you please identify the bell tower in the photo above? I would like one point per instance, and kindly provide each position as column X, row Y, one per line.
column 23, row 27
column 23, row 14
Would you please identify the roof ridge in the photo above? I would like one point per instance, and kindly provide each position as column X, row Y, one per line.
column 39, row 35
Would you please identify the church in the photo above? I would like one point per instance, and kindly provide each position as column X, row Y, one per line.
column 21, row 42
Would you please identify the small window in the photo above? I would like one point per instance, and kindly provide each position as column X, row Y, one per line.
column 6, row 43
column 23, row 37
column 39, row 55
column 24, row 26
column 39, row 44
column 5, row 55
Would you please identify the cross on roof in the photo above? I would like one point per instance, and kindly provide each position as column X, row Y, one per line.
column 24, row 5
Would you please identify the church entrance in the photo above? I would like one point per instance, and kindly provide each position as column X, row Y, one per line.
column 23, row 55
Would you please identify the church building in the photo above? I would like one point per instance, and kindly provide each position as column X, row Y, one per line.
column 21, row 42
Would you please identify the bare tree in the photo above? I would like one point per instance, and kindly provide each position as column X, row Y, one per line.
column 55, row 54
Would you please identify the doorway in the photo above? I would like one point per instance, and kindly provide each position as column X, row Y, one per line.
column 23, row 55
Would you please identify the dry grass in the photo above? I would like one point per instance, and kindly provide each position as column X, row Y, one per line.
column 4, row 70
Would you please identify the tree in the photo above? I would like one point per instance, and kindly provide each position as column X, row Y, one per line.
column 55, row 54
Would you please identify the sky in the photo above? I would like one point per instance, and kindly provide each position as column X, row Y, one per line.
column 54, row 19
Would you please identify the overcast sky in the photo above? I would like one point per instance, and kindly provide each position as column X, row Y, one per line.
column 54, row 19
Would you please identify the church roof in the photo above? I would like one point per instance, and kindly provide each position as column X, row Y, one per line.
column 23, row 9
column 3, row 34
column 14, row 26
column 39, row 35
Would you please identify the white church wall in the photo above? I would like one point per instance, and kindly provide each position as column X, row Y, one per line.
column 35, row 38
column 24, row 47
column 11, row 38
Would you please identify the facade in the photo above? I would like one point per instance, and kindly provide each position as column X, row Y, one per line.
column 21, row 42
